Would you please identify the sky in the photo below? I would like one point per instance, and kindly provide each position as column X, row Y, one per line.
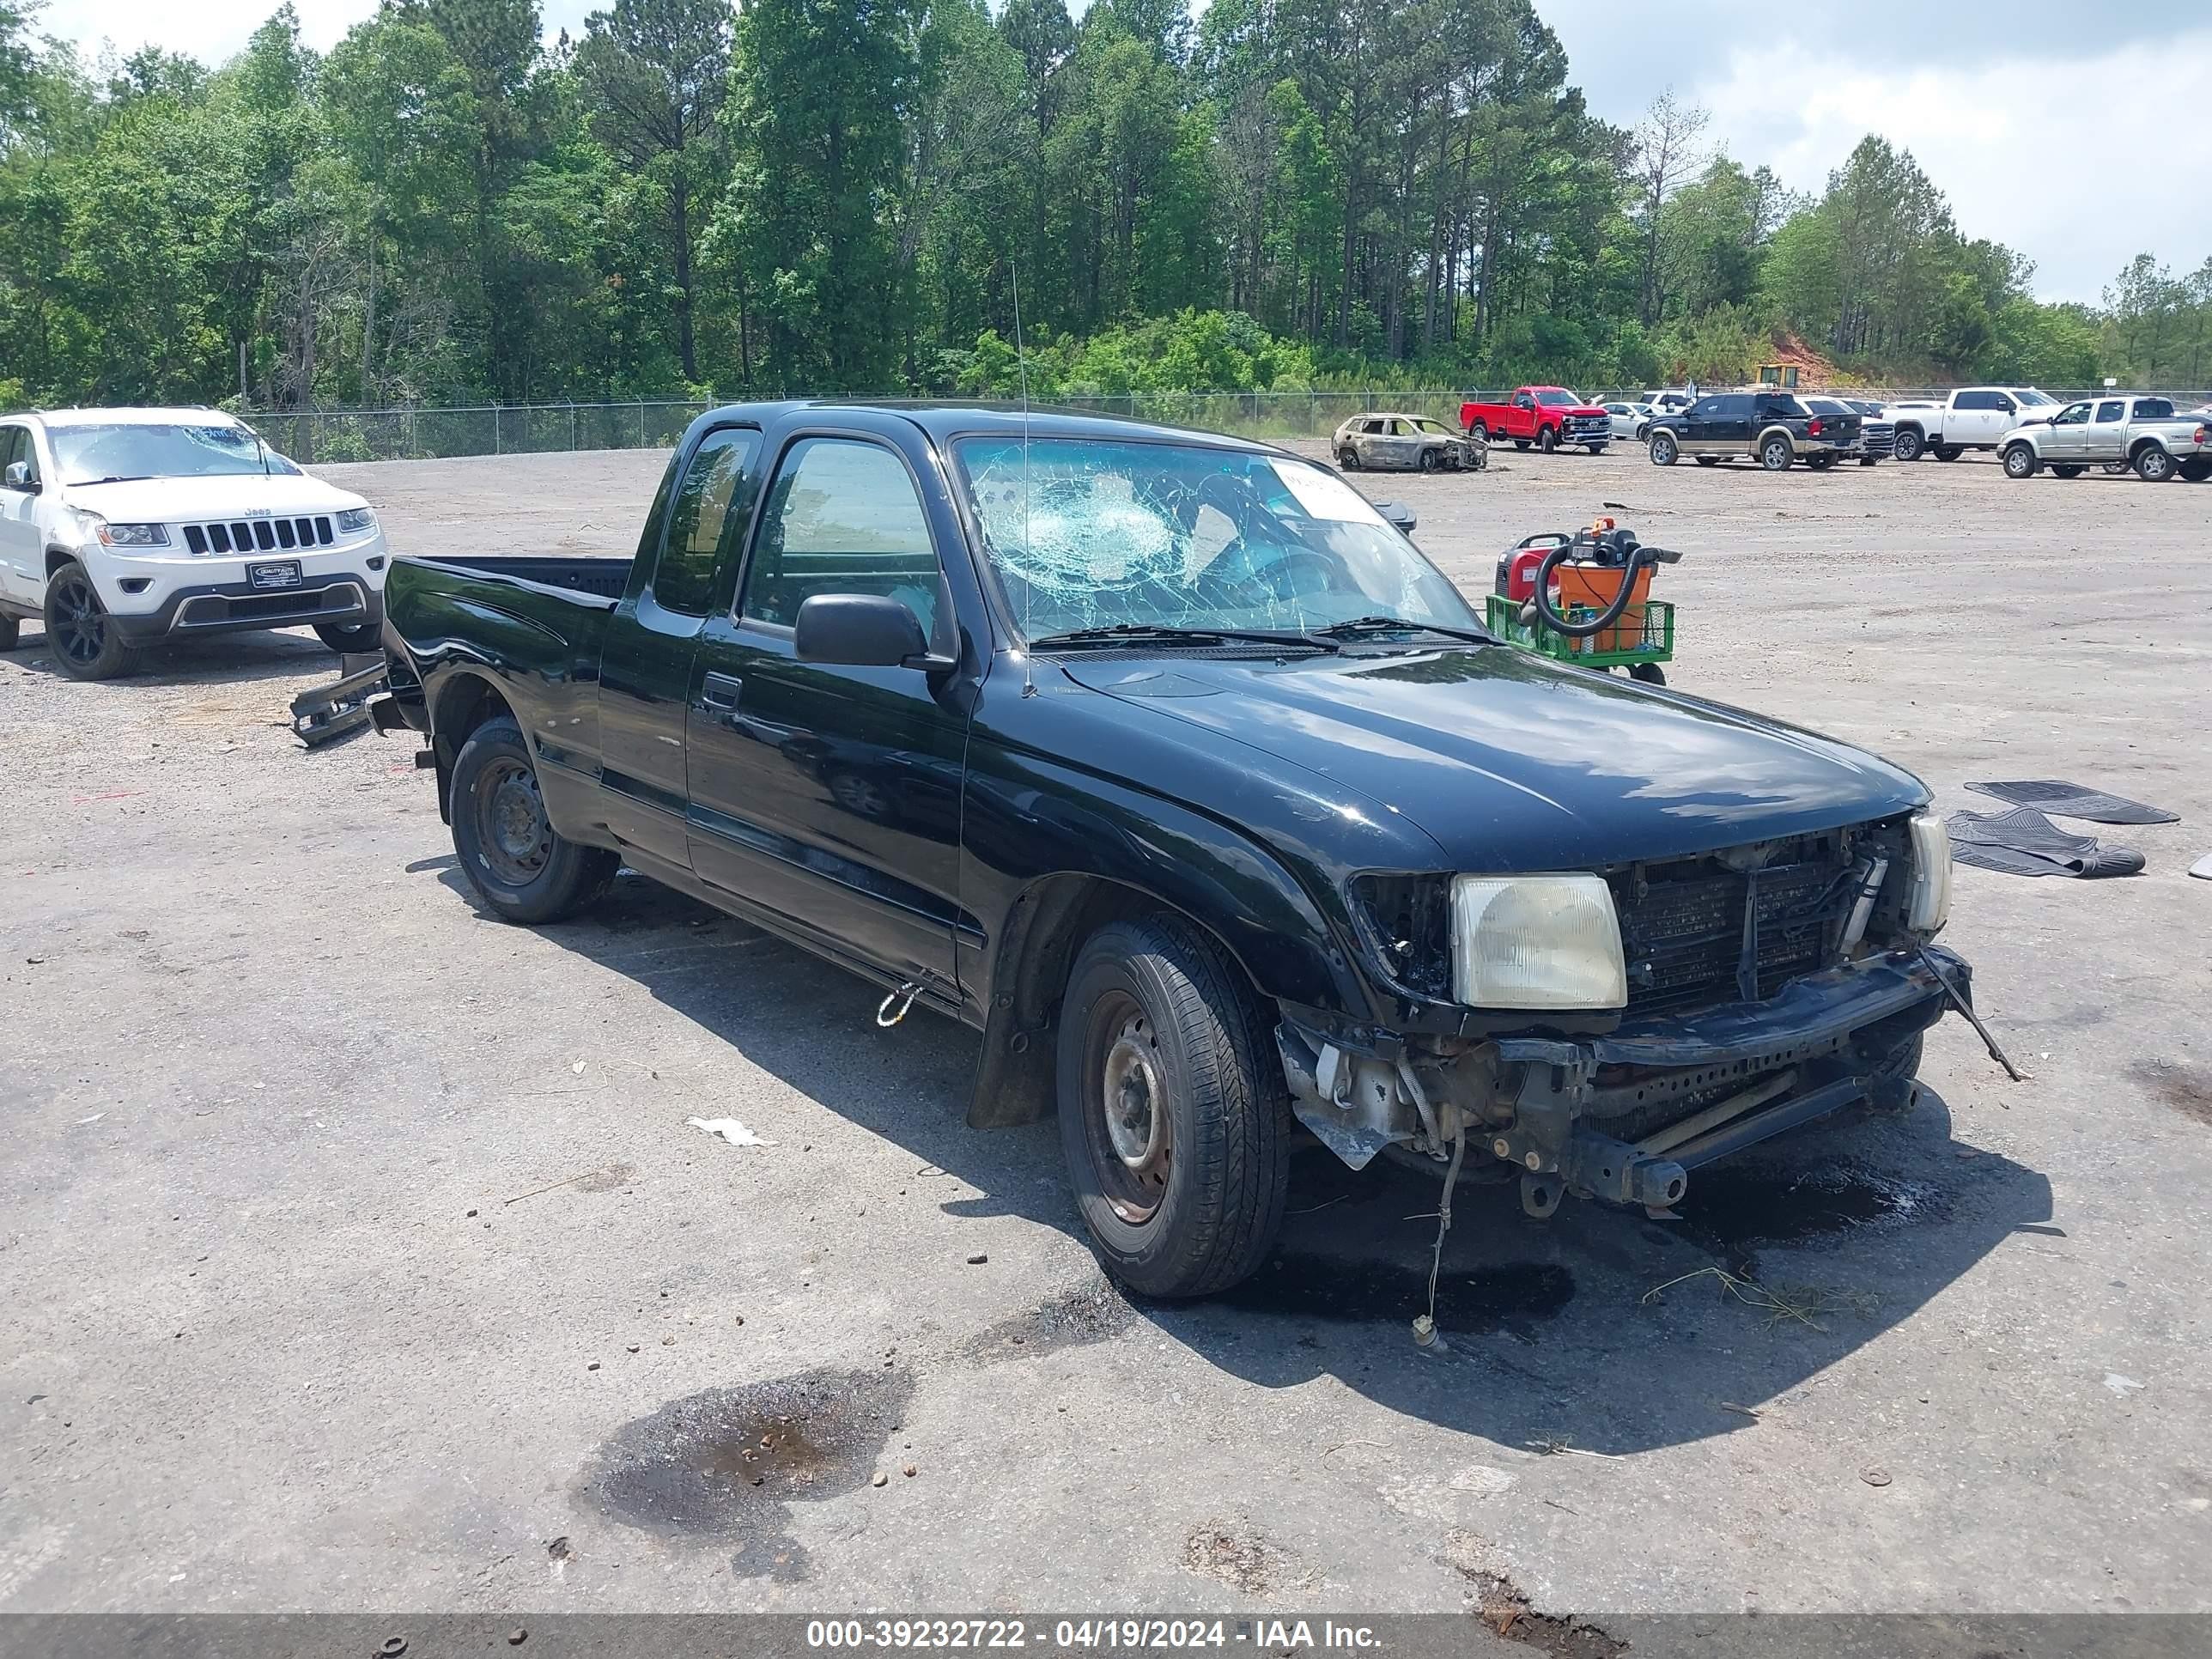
column 2074, row 133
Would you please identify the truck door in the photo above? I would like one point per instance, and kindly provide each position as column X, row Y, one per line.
column 2106, row 439
column 2067, row 442
column 1520, row 417
column 828, row 795
column 645, row 667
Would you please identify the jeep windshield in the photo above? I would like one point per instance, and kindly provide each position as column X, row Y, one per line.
column 147, row 449
column 1087, row 534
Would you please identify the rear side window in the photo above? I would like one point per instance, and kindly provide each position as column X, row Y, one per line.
column 842, row 517
column 1976, row 400
column 2154, row 408
column 1783, row 408
column 1737, row 408
column 698, row 519
column 2111, row 411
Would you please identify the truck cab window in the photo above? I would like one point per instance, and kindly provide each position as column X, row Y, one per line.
column 2111, row 411
column 684, row 580
column 842, row 517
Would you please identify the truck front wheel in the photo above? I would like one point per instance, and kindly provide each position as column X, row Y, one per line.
column 2153, row 465
column 86, row 643
column 1909, row 444
column 1547, row 441
column 1663, row 449
column 1173, row 1113
column 521, row 868
column 2019, row 462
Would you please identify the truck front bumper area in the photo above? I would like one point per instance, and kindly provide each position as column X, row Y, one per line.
column 1626, row 1116
column 343, row 599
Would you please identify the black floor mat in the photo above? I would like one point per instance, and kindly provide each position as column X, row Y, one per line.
column 2024, row 842
column 2071, row 800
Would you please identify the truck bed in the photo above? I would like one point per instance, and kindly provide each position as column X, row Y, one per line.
column 601, row 578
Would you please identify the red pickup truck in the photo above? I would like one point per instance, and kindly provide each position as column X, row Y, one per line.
column 1545, row 415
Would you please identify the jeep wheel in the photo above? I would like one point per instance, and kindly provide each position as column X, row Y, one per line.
column 85, row 641
column 1547, row 440
column 2153, row 465
column 2066, row 469
column 1909, row 444
column 361, row 637
column 2019, row 462
column 520, row 868
column 1664, row 450
column 1348, row 459
column 1172, row 1111
column 1776, row 455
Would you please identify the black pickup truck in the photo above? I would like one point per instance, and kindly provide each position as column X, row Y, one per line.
column 1167, row 763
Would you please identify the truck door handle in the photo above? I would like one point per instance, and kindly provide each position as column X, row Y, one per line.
column 720, row 691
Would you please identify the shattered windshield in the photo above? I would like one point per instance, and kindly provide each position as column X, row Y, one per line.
column 138, row 449
column 1089, row 533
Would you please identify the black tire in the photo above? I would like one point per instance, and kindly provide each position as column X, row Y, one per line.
column 1910, row 444
column 1948, row 451
column 1648, row 673
column 1431, row 459
column 1708, row 461
column 1520, row 443
column 11, row 633
column 2196, row 469
column 1596, row 449
column 1869, row 461
column 1820, row 463
column 2020, row 461
column 1547, row 440
column 86, row 645
column 1348, row 459
column 1479, row 430
column 2067, row 469
column 1664, row 450
column 2115, row 469
column 520, row 866
column 1776, row 454
column 2155, row 465
column 1155, row 1003
column 1642, row 432
column 351, row 641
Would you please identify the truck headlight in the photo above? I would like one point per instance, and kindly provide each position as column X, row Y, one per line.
column 354, row 519
column 1928, row 901
column 1536, row 942
column 130, row 535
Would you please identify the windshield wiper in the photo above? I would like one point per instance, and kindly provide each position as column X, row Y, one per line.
column 136, row 477
column 1359, row 625
column 1151, row 633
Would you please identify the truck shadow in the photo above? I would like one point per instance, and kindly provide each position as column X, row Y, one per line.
column 1557, row 1335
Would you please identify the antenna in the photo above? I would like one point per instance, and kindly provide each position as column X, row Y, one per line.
column 1029, row 584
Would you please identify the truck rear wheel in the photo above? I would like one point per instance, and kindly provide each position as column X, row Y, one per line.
column 1173, row 1114
column 1776, row 454
column 2153, row 465
column 2066, row 469
column 1479, row 430
column 11, row 633
column 521, row 868
column 86, row 643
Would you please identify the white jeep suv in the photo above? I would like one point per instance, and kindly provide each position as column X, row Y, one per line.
column 121, row 528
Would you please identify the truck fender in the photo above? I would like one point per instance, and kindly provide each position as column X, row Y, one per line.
column 1233, row 890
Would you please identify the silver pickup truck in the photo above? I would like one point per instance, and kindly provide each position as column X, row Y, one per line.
column 2147, row 433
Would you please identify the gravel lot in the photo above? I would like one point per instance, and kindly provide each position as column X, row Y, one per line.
column 360, row 1257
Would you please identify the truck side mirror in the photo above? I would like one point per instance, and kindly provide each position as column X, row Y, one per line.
column 863, row 630
column 19, row 478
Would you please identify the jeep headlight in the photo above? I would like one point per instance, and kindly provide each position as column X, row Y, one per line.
column 1928, row 900
column 1536, row 942
column 130, row 535
column 355, row 519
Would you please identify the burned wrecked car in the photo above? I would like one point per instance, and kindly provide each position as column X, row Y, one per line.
column 1385, row 440
column 1169, row 766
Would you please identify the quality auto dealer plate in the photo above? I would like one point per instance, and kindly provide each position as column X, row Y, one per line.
column 274, row 573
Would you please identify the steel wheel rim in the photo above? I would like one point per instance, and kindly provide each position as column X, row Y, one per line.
column 1775, row 456
column 79, row 625
column 2153, row 464
column 1129, row 1126
column 514, row 836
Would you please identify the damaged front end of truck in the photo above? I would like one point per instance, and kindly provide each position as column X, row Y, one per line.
column 1755, row 989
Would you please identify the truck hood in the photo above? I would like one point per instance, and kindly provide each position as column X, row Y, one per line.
column 174, row 500
column 1510, row 763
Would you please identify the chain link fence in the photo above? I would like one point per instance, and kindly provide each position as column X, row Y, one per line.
column 322, row 435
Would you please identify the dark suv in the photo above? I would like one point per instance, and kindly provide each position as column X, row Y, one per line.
column 1772, row 426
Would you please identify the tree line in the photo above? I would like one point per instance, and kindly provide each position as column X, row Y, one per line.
column 867, row 196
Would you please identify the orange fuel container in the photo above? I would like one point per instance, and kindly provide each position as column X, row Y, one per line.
column 1593, row 587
